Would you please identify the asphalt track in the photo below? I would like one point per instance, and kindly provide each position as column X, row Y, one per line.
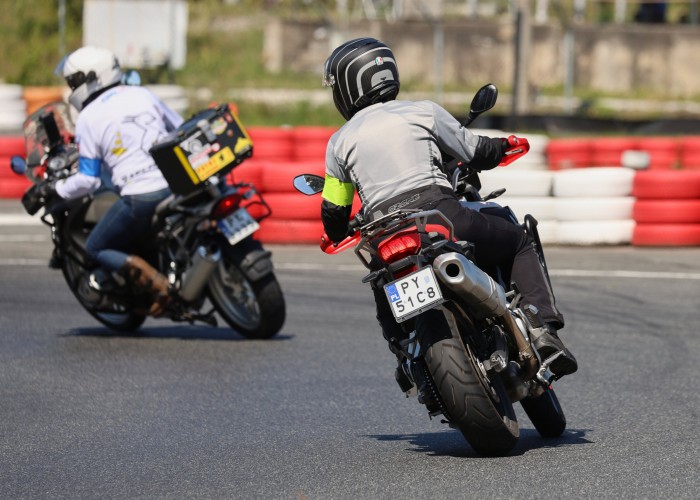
column 181, row 411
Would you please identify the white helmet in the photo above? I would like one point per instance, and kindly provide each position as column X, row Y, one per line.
column 88, row 70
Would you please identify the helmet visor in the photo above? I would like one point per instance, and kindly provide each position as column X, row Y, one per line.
column 60, row 67
column 75, row 80
column 328, row 79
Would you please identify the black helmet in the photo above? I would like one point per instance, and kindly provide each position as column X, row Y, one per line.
column 362, row 72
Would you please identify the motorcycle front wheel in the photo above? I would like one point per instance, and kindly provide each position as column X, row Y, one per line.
column 255, row 309
column 113, row 315
column 475, row 403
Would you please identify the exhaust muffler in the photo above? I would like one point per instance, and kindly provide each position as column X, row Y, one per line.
column 486, row 297
column 204, row 263
column 476, row 287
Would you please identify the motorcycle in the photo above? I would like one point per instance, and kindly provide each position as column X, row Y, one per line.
column 466, row 352
column 201, row 237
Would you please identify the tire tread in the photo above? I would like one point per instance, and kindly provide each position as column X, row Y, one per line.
column 469, row 407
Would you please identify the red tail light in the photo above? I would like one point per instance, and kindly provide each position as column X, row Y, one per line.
column 226, row 206
column 399, row 246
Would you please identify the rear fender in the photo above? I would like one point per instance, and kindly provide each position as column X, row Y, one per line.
column 433, row 326
column 251, row 258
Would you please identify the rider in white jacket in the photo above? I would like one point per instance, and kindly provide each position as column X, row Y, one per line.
column 116, row 126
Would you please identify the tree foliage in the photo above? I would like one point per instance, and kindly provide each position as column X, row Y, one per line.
column 31, row 40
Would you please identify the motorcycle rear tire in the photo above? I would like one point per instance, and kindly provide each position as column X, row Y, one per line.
column 477, row 405
column 255, row 309
column 545, row 413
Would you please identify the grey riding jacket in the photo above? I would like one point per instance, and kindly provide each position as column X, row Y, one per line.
column 393, row 148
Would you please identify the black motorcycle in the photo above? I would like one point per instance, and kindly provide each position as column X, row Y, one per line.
column 201, row 237
column 466, row 349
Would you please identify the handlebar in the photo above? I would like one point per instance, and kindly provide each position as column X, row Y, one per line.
column 517, row 147
column 354, row 224
column 331, row 248
column 350, row 241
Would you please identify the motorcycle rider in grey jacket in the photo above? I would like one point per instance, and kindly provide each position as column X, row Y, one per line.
column 392, row 152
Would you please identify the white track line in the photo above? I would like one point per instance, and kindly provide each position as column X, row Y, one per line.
column 19, row 219
column 577, row 273
column 582, row 273
column 24, row 262
column 23, row 238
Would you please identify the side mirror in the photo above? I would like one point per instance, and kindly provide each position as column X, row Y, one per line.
column 483, row 100
column 18, row 165
column 131, row 77
column 309, row 184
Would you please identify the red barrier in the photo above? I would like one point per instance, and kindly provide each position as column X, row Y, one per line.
column 278, row 177
column 664, row 152
column 271, row 143
column 294, row 206
column 666, row 235
column 681, row 184
column 283, row 231
column 569, row 153
column 298, row 206
column 249, row 171
column 666, row 211
column 690, row 152
column 309, row 143
column 607, row 151
column 11, row 145
column 13, row 187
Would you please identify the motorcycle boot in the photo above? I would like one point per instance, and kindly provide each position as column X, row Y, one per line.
column 56, row 260
column 547, row 343
column 147, row 278
column 402, row 379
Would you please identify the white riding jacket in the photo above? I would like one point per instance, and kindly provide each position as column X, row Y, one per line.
column 116, row 131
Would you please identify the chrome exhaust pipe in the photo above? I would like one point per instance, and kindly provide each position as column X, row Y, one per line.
column 476, row 287
column 204, row 263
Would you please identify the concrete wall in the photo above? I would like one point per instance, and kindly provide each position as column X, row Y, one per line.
column 609, row 58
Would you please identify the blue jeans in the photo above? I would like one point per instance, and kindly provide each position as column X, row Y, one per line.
column 125, row 223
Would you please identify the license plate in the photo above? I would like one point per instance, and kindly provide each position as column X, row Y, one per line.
column 238, row 225
column 413, row 294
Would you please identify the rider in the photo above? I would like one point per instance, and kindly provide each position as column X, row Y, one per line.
column 116, row 126
column 391, row 153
